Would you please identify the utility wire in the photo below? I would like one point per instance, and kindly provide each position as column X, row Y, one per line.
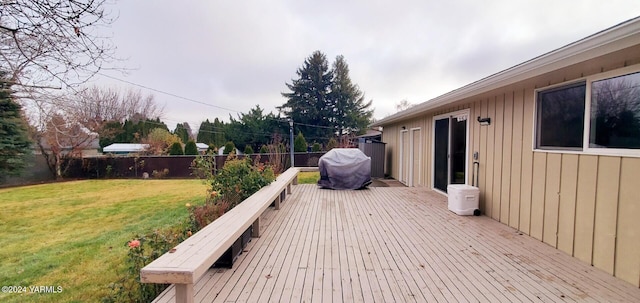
column 169, row 94
column 283, row 120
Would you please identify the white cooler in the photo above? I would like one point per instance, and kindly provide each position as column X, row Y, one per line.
column 464, row 199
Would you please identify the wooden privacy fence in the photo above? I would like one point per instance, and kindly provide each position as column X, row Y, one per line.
column 175, row 166
column 191, row 259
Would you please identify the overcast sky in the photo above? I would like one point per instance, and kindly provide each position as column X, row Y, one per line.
column 236, row 54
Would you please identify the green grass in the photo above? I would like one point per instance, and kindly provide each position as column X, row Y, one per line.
column 308, row 177
column 73, row 234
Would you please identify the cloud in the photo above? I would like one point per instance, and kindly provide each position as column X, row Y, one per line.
column 236, row 54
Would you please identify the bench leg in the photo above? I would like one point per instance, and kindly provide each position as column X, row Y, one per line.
column 255, row 233
column 184, row 293
column 295, row 180
column 289, row 188
column 278, row 202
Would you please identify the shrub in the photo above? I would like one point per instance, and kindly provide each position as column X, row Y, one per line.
column 248, row 149
column 299, row 143
column 203, row 167
column 212, row 149
column 315, row 147
column 236, row 181
column 239, row 179
column 176, row 149
column 264, row 149
column 191, row 148
column 201, row 215
column 143, row 249
column 332, row 144
column 229, row 147
column 160, row 174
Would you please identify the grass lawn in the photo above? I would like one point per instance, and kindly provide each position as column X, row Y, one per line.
column 308, row 177
column 73, row 234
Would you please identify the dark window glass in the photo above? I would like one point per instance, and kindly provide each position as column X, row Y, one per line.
column 560, row 121
column 615, row 112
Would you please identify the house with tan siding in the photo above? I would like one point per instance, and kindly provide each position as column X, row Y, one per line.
column 552, row 143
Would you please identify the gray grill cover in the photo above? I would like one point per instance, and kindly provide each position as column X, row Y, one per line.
column 344, row 168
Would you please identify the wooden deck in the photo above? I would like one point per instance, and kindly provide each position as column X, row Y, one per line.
column 390, row 244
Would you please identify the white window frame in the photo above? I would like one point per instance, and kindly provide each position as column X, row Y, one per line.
column 586, row 149
column 587, row 121
column 412, row 156
column 401, row 157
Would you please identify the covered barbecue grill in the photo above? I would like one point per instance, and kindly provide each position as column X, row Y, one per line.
column 344, row 168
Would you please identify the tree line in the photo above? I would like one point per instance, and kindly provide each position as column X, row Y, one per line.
column 49, row 52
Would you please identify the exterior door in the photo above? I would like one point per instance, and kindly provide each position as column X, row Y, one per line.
column 410, row 157
column 441, row 154
column 404, row 157
column 450, row 150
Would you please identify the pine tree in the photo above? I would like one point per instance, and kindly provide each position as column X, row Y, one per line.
column 309, row 99
column 14, row 141
column 326, row 102
column 350, row 113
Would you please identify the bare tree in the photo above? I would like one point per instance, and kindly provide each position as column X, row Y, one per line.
column 96, row 105
column 59, row 139
column 403, row 104
column 54, row 43
column 95, row 108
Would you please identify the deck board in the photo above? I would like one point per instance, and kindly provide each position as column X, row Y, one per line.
column 398, row 244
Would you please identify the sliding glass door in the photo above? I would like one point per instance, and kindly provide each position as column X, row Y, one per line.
column 450, row 150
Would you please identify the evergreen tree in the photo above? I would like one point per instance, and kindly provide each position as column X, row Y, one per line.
column 182, row 132
column 212, row 133
column 217, row 132
column 204, row 133
column 14, row 141
column 248, row 150
column 253, row 128
column 229, row 147
column 309, row 99
column 176, row 149
column 190, row 148
column 299, row 143
column 350, row 113
column 116, row 129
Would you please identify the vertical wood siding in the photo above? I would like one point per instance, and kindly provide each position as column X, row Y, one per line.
column 587, row 206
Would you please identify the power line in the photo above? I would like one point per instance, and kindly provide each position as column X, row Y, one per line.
column 169, row 94
column 207, row 104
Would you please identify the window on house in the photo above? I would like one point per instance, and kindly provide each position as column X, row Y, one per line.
column 560, row 117
column 615, row 112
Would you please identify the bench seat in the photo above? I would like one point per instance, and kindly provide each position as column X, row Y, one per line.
column 193, row 257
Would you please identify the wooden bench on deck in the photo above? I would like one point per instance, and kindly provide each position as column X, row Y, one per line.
column 193, row 257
